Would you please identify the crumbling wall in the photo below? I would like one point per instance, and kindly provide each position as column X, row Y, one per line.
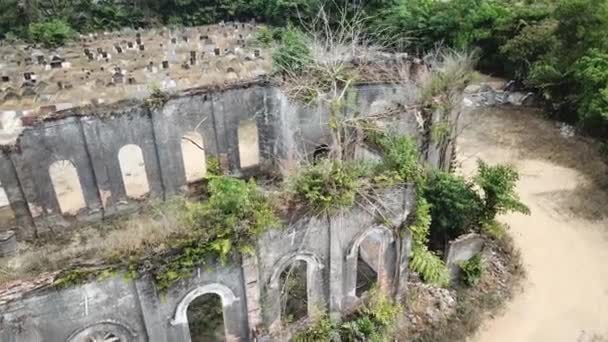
column 134, row 310
column 91, row 139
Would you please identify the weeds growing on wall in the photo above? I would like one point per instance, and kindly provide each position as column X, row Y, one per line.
column 472, row 270
column 228, row 222
column 329, row 184
column 374, row 320
column 235, row 214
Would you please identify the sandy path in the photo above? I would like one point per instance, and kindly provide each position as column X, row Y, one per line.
column 564, row 243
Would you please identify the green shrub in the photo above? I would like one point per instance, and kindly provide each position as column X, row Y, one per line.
column 498, row 185
column 455, row 205
column 400, row 155
column 235, row 214
column 329, row 185
column 321, row 330
column 374, row 320
column 591, row 74
column 50, row 33
column 430, row 267
column 265, row 36
column 293, row 54
column 472, row 270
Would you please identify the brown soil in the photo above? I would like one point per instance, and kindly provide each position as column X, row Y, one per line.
column 564, row 242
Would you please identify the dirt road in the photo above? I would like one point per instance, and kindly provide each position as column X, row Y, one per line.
column 564, row 243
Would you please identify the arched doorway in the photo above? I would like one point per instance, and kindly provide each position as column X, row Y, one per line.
column 206, row 319
column 294, row 294
column 369, row 262
column 222, row 302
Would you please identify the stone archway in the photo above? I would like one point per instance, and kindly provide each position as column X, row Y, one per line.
column 314, row 286
column 233, row 324
column 376, row 241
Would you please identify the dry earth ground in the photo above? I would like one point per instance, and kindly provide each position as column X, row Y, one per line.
column 564, row 243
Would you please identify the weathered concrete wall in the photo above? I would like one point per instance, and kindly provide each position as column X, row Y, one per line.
column 90, row 140
column 135, row 311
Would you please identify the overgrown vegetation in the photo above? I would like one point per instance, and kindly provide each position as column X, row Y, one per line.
column 459, row 205
column 329, row 185
column 426, row 263
column 374, row 320
column 472, row 270
column 50, row 33
column 229, row 221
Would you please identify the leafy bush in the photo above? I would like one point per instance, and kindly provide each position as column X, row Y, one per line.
column 373, row 321
column 455, row 205
column 235, row 214
column 265, row 36
column 498, row 185
column 426, row 263
column 51, row 33
column 400, row 155
column 472, row 270
column 329, row 185
column 293, row 54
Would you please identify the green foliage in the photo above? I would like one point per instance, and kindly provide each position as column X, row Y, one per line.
column 293, row 54
column 51, row 33
column 472, row 270
column 235, row 214
column 72, row 278
column 265, row 36
column 455, row 205
column 494, row 229
column 157, row 98
column 591, row 73
column 498, row 185
column 430, row 267
column 440, row 132
column 400, row 155
column 321, row 330
column 329, row 185
column 214, row 167
column 373, row 321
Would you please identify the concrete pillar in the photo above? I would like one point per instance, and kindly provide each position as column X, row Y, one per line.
column 336, row 267
column 148, row 300
column 12, row 187
column 252, row 291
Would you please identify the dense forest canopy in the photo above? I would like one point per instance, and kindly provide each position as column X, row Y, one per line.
column 557, row 47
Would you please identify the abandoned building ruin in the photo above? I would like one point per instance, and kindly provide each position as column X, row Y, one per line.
column 67, row 162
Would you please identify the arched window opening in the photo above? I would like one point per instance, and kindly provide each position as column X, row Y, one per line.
column 133, row 169
column 368, row 261
column 249, row 145
column 193, row 154
column 68, row 191
column 7, row 216
column 294, row 294
column 206, row 319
